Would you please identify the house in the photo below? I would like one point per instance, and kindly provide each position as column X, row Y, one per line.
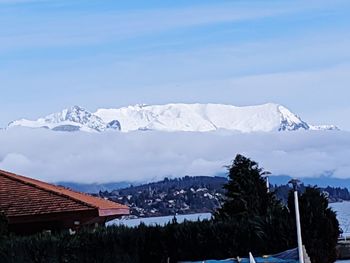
column 32, row 206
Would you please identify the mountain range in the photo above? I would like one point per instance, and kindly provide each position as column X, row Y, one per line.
column 175, row 117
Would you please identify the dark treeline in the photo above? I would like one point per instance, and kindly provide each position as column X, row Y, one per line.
column 186, row 241
column 185, row 182
column 250, row 220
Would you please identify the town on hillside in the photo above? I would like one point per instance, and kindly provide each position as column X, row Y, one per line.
column 189, row 195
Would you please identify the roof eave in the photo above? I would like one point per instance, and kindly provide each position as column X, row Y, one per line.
column 113, row 212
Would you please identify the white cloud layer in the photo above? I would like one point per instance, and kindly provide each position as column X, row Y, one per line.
column 148, row 156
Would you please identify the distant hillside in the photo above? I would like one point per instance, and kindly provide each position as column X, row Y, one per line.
column 191, row 195
column 172, row 196
column 322, row 181
column 334, row 194
column 94, row 188
column 187, row 182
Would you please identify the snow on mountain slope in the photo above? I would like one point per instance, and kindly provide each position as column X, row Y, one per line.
column 176, row 117
column 71, row 119
column 204, row 117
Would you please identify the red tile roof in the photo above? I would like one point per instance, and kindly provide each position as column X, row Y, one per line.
column 23, row 196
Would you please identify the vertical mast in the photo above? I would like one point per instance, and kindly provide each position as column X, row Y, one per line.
column 297, row 218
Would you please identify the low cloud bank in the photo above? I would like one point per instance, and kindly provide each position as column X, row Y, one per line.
column 147, row 156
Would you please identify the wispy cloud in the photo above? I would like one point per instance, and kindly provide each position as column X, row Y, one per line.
column 86, row 29
column 147, row 156
column 19, row 1
column 65, row 28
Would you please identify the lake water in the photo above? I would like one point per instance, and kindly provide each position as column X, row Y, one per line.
column 343, row 215
column 342, row 210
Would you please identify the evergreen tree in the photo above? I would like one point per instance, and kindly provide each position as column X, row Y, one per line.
column 246, row 191
column 262, row 219
column 3, row 225
column 320, row 227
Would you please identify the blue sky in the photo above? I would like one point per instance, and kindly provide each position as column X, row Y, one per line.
column 54, row 54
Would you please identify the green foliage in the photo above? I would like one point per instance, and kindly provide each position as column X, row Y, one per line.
column 269, row 225
column 320, row 227
column 262, row 219
column 246, row 194
column 3, row 225
column 3, row 231
column 185, row 241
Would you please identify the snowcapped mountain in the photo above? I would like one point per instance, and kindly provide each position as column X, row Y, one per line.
column 207, row 117
column 71, row 119
column 176, row 117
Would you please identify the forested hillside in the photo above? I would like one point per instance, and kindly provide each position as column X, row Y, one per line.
column 188, row 195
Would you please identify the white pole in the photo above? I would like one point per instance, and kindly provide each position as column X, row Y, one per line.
column 251, row 258
column 267, row 184
column 297, row 217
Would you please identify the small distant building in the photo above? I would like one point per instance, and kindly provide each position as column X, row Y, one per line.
column 32, row 206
